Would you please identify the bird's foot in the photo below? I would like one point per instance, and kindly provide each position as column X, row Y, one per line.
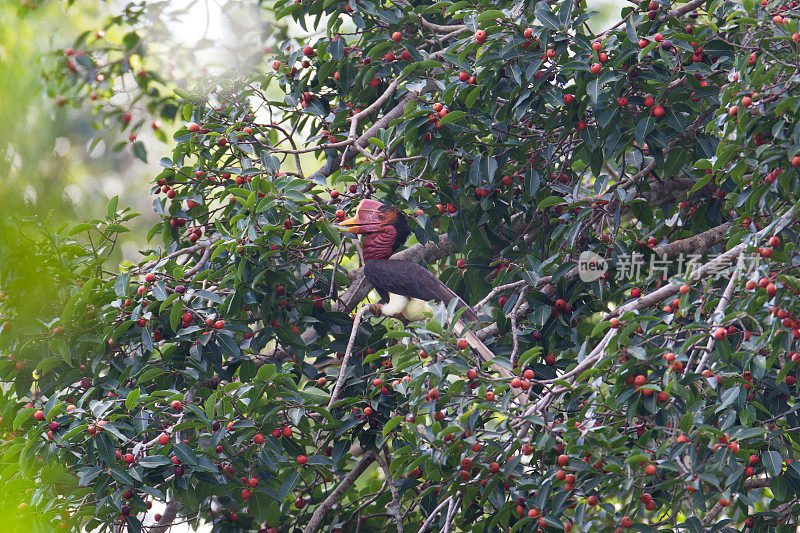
column 376, row 309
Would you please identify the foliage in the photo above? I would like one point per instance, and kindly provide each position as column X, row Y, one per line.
column 518, row 140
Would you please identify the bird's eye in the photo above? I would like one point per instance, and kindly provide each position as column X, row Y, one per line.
column 381, row 217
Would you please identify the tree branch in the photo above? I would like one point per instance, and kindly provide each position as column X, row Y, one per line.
column 719, row 313
column 347, row 354
column 434, row 513
column 686, row 8
column 696, row 243
column 170, row 512
column 319, row 515
column 396, row 509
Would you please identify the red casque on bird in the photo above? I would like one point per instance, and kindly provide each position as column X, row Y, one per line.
column 407, row 285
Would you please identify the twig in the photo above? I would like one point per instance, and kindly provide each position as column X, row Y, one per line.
column 451, row 511
column 173, row 255
column 376, row 104
column 396, row 508
column 514, row 314
column 495, row 291
column 347, row 353
column 719, row 313
column 434, row 513
column 712, row 514
column 200, row 262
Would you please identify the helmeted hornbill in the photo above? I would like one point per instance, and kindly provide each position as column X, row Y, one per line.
column 408, row 286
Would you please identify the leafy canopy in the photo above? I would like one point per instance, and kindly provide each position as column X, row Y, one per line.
column 222, row 373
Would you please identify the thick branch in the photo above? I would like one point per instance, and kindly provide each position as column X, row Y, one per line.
column 170, row 512
column 758, row 483
column 686, row 8
column 697, row 243
column 319, row 515
column 677, row 190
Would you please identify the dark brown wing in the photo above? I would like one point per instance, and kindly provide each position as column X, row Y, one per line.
column 414, row 281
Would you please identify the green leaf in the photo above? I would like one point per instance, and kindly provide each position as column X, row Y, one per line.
column 315, row 396
column 630, row 31
column 22, row 416
column 701, row 183
column 132, row 399
column 551, row 201
column 694, row 525
column 452, row 116
column 111, row 207
column 89, row 475
column 490, row 14
column 150, row 374
column 185, row 454
column 79, row 228
column 773, row 461
column 593, row 89
column 728, row 397
column 139, row 151
column 176, row 315
column 330, row 232
column 546, row 17
column 391, row 424
column 154, row 461
column 288, row 484
column 644, row 127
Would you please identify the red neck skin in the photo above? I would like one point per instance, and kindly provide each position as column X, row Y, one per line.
column 379, row 245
